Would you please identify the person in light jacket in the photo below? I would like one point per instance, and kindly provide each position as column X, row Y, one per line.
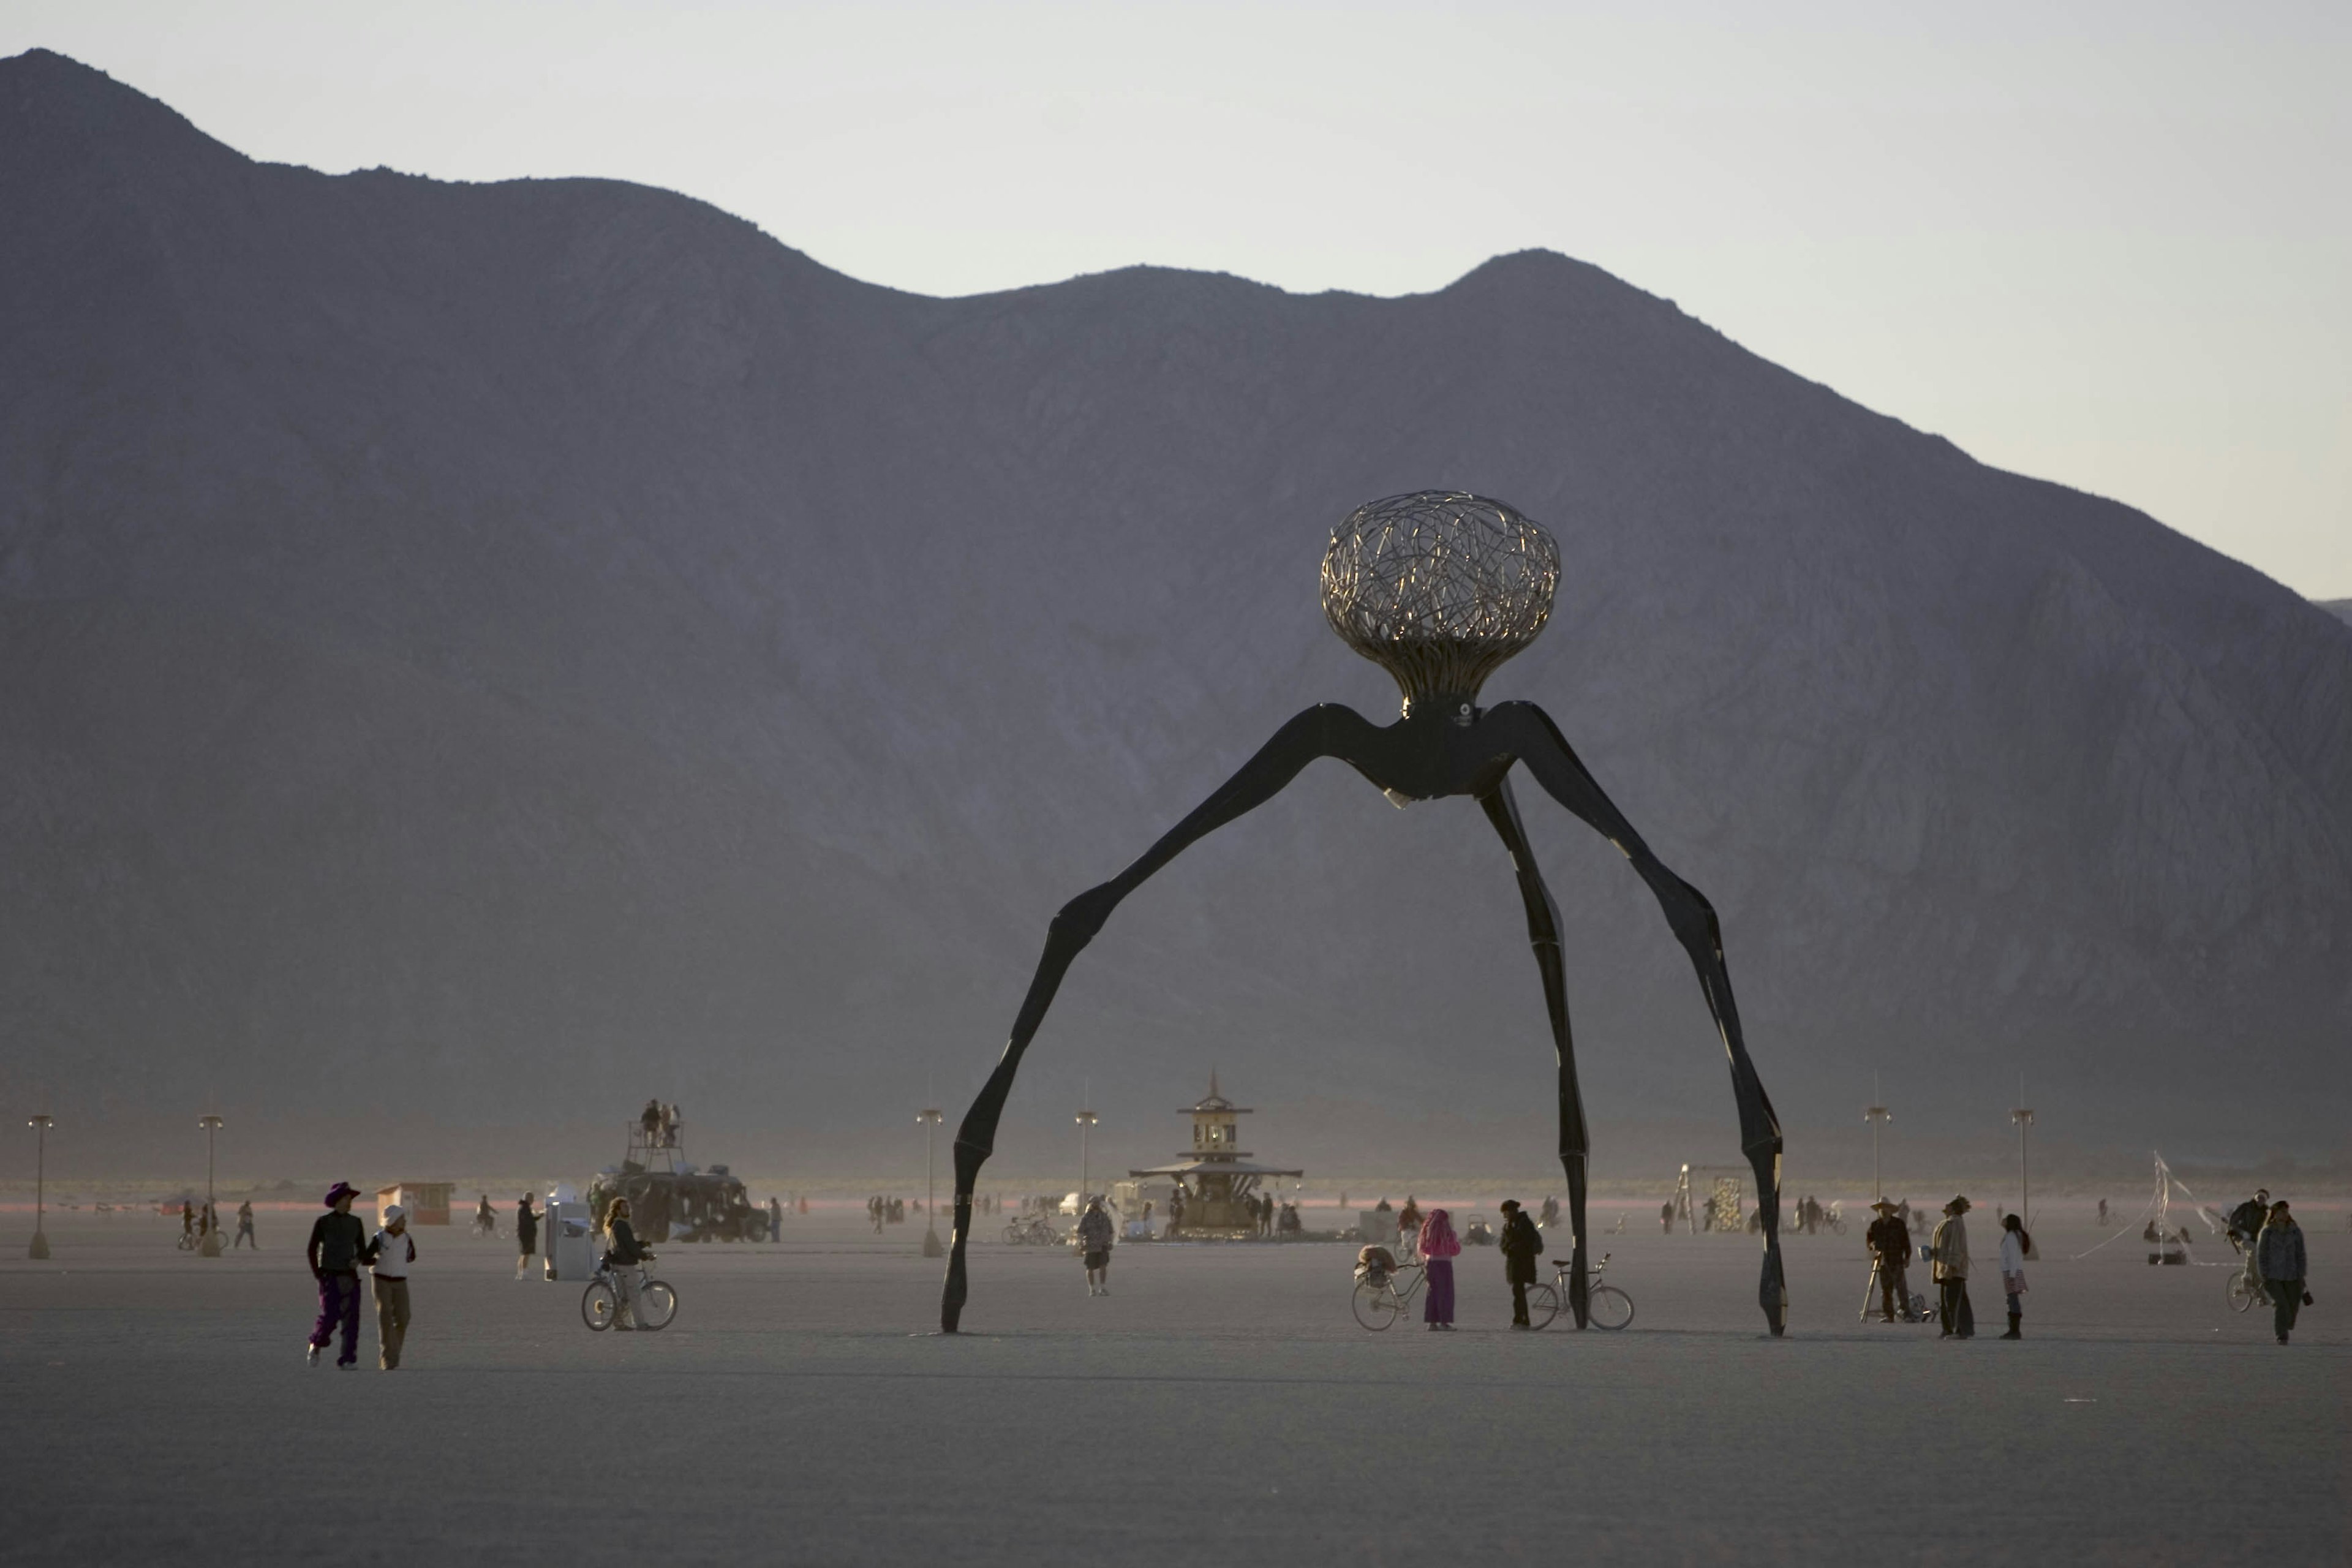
column 1950, row 1244
column 2014, row 1245
column 389, row 1253
column 1439, row 1248
column 1095, row 1239
column 2279, row 1250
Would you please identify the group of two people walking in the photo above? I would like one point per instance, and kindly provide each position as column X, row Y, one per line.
column 340, row 1247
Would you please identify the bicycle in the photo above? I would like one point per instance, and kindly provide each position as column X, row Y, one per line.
column 1033, row 1231
column 1378, row 1302
column 479, row 1227
column 1605, row 1305
column 600, row 1304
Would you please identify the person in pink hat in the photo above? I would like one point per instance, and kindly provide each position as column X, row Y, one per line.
column 1439, row 1248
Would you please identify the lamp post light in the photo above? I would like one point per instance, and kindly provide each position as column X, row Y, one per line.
column 40, row 1122
column 931, row 1118
column 211, row 1243
column 1875, row 1114
column 2023, row 1116
column 1086, row 1120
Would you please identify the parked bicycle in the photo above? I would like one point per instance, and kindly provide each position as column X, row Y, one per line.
column 1605, row 1305
column 600, row 1304
column 1379, row 1299
column 1033, row 1231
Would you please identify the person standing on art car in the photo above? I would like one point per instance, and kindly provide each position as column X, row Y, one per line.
column 1950, row 1252
column 1094, row 1239
column 526, row 1234
column 1439, row 1248
column 2014, row 1245
column 338, row 1243
column 1890, row 1243
column 2278, row 1248
column 1522, row 1245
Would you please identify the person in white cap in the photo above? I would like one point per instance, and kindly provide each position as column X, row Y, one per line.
column 389, row 1252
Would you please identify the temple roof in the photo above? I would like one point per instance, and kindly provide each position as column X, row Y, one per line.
column 1216, row 1101
column 1215, row 1167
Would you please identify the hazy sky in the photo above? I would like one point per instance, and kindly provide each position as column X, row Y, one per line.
column 2106, row 245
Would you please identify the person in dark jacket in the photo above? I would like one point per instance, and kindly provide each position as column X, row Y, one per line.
column 2279, row 1250
column 526, row 1234
column 1521, row 1243
column 623, row 1253
column 338, row 1247
column 2246, row 1222
column 1889, row 1241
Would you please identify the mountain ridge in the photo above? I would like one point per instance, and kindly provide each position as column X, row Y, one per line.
column 785, row 647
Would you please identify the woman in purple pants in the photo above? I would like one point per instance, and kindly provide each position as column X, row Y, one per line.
column 1439, row 1248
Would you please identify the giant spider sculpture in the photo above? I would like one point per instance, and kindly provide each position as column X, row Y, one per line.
column 1439, row 588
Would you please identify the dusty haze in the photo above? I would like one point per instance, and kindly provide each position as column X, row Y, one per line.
column 483, row 655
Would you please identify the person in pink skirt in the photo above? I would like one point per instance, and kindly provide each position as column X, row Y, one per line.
column 1439, row 1248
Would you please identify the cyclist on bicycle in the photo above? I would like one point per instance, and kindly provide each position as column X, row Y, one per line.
column 623, row 1255
column 486, row 1219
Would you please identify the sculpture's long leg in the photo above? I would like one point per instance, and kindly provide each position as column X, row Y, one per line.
column 1325, row 730
column 1543, row 935
column 1536, row 742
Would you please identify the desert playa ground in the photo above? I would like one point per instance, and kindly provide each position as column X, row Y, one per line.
column 1220, row 1405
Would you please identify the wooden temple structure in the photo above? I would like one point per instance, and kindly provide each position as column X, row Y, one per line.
column 1214, row 1183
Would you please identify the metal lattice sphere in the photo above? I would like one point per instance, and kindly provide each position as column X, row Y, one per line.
column 1438, row 588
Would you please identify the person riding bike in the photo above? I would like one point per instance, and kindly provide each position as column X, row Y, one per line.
column 486, row 1219
column 623, row 1255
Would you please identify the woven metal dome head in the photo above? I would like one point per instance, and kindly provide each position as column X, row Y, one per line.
column 1438, row 588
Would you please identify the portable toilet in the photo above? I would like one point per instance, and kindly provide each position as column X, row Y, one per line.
column 570, row 1243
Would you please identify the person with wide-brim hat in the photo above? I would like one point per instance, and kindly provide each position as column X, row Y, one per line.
column 337, row 1244
column 1949, row 1251
column 1889, row 1241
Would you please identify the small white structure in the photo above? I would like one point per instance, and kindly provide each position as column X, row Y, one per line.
column 571, row 1241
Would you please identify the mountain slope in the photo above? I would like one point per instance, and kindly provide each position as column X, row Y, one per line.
column 550, row 633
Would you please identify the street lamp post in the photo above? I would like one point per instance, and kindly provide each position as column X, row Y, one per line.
column 2023, row 1116
column 211, row 1243
column 1086, row 1124
column 931, row 1118
column 40, row 1122
column 1875, row 1114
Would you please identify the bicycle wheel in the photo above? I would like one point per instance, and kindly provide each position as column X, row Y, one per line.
column 2240, row 1294
column 1376, row 1305
column 1543, row 1305
column 1609, row 1308
column 657, row 1304
column 598, row 1305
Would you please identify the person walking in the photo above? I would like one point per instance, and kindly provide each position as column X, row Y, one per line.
column 1950, row 1253
column 336, row 1240
column 245, row 1227
column 526, row 1234
column 2279, row 1250
column 2014, row 1245
column 1094, row 1239
column 1890, row 1243
column 1521, row 1243
column 187, row 1224
column 623, row 1253
column 1408, row 1222
column 1439, row 1248
column 390, row 1251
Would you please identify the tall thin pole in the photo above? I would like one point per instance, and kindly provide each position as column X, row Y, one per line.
column 40, row 1122
column 2023, row 1116
column 211, row 1247
column 1875, row 1114
column 929, row 1116
column 1086, row 1120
